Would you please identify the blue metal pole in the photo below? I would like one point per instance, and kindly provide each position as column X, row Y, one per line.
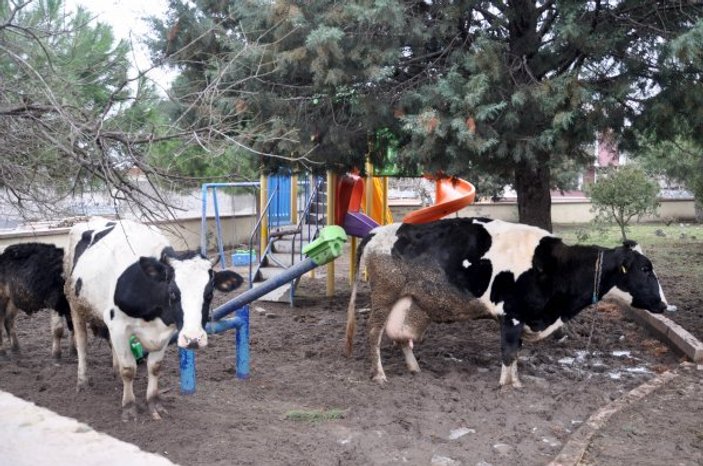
column 240, row 322
column 241, row 343
column 187, row 365
column 218, row 224
column 271, row 284
column 203, row 221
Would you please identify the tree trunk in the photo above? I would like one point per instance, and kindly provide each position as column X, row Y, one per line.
column 534, row 202
column 699, row 211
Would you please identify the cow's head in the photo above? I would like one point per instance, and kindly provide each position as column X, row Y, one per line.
column 635, row 281
column 187, row 282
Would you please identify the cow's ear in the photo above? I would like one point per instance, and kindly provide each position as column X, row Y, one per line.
column 153, row 269
column 167, row 253
column 226, row 280
column 630, row 244
column 626, row 259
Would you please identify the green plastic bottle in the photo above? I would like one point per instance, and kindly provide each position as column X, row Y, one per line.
column 137, row 349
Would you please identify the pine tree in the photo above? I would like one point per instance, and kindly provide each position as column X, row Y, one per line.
column 514, row 90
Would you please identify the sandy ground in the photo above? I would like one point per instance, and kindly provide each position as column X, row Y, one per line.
column 451, row 413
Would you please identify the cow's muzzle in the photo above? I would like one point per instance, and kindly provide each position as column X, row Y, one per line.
column 659, row 308
column 192, row 342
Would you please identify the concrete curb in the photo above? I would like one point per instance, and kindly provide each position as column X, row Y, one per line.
column 670, row 332
column 34, row 435
column 576, row 446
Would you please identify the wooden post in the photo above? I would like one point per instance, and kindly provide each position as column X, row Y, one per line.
column 263, row 198
column 331, row 208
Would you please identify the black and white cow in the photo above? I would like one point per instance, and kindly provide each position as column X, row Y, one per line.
column 31, row 279
column 125, row 276
column 466, row 268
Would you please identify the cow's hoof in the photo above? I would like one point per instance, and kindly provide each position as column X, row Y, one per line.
column 82, row 385
column 129, row 412
column 379, row 379
column 507, row 388
column 157, row 410
column 56, row 355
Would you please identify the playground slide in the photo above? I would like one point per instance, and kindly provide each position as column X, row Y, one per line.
column 377, row 203
column 350, row 192
column 452, row 195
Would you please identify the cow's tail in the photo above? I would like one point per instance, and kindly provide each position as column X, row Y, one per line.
column 351, row 309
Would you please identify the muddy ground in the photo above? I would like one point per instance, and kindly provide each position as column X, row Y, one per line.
column 450, row 413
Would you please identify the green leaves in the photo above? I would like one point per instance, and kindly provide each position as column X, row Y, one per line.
column 624, row 193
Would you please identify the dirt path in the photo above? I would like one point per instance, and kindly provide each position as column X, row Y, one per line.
column 451, row 413
column 644, row 427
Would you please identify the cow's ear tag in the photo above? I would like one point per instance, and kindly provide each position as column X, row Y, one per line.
column 624, row 270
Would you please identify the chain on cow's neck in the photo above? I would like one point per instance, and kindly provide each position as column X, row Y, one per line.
column 597, row 276
column 596, row 287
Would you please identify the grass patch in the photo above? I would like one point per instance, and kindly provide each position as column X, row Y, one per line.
column 315, row 415
column 676, row 250
column 646, row 234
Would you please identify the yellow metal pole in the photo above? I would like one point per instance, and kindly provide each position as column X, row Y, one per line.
column 312, row 186
column 385, row 201
column 294, row 199
column 264, row 195
column 368, row 194
column 331, row 185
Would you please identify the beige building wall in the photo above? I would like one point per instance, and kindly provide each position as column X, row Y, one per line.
column 185, row 234
column 562, row 212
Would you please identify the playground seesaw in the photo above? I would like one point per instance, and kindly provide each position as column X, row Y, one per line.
column 326, row 248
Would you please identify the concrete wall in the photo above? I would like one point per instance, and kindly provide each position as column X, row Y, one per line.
column 183, row 235
column 562, row 212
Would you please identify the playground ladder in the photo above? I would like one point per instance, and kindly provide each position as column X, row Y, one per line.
column 285, row 243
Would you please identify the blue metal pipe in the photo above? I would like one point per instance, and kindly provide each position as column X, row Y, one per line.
column 203, row 196
column 187, row 364
column 269, row 285
column 241, row 343
column 240, row 322
column 218, row 226
column 203, row 221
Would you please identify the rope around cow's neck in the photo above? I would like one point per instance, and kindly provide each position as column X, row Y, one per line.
column 596, row 287
column 597, row 276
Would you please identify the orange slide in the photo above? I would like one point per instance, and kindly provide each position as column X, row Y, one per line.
column 451, row 195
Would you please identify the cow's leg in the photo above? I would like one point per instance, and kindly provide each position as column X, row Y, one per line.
column 81, row 335
column 375, row 335
column 406, row 324
column 510, row 342
column 410, row 360
column 115, row 362
column 153, row 400
column 3, row 311
column 56, row 334
column 128, row 370
column 376, row 324
column 10, row 327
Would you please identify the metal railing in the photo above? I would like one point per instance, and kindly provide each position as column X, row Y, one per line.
column 218, row 224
